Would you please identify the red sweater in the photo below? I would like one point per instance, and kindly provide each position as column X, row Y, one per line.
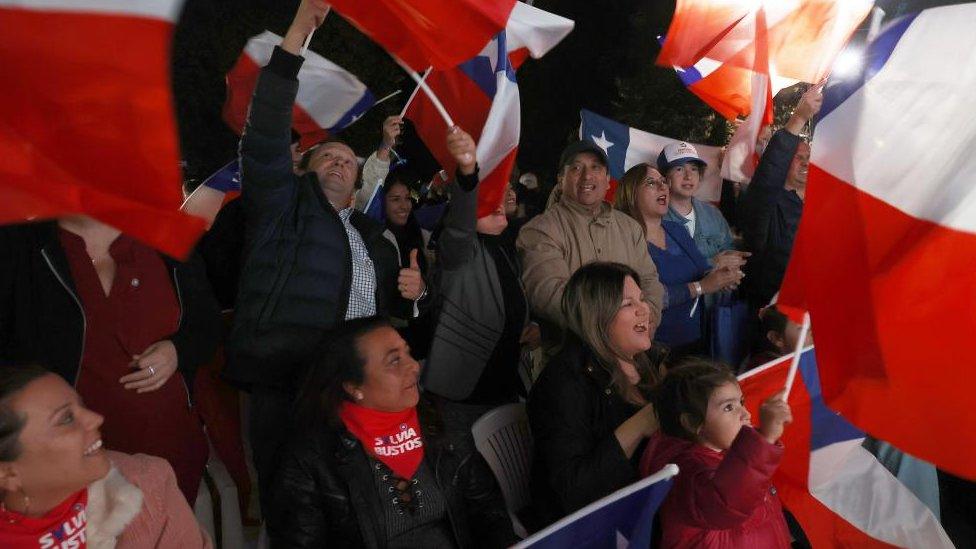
column 719, row 499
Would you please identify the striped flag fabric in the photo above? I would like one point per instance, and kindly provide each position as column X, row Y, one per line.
column 218, row 189
column 329, row 97
column 87, row 122
column 532, row 32
column 803, row 36
column 718, row 48
column 624, row 519
column 884, row 254
column 423, row 33
column 481, row 95
column 740, row 159
column 627, row 147
column 839, row 492
column 726, row 88
column 498, row 144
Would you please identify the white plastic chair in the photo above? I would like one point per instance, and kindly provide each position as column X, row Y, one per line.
column 228, row 519
column 503, row 438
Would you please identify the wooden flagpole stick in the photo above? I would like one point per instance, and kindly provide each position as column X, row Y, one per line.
column 426, row 89
column 795, row 364
column 414, row 92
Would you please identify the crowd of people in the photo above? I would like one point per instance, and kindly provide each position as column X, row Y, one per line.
column 368, row 347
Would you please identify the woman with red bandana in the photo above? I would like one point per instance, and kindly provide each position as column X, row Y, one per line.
column 371, row 466
column 59, row 488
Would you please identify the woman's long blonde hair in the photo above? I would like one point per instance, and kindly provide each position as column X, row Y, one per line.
column 590, row 301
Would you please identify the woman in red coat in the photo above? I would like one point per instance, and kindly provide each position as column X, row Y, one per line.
column 722, row 496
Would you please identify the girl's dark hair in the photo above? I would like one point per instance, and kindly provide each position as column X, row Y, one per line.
column 405, row 175
column 590, row 301
column 13, row 379
column 681, row 399
column 770, row 320
column 337, row 361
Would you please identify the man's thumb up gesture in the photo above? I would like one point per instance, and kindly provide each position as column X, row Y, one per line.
column 411, row 282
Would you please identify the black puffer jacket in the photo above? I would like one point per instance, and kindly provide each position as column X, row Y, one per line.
column 41, row 319
column 573, row 412
column 297, row 269
column 325, row 493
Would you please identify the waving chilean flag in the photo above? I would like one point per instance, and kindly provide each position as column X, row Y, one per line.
column 885, row 256
column 627, row 147
column 482, row 96
column 329, row 98
column 441, row 33
column 838, row 491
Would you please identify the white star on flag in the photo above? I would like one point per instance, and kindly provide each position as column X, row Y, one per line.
column 602, row 142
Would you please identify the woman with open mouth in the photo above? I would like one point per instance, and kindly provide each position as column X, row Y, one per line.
column 685, row 273
column 59, row 488
column 589, row 411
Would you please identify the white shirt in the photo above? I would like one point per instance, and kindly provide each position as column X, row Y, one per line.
column 690, row 225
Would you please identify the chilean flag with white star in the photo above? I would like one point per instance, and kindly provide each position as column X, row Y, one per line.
column 626, row 147
column 482, row 97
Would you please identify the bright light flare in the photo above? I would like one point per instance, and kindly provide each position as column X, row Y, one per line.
column 848, row 63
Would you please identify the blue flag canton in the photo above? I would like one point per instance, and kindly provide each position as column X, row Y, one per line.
column 226, row 179
column 356, row 112
column 482, row 68
column 627, row 521
column 827, row 426
column 610, row 135
column 878, row 53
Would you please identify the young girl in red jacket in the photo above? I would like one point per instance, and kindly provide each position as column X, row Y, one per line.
column 722, row 496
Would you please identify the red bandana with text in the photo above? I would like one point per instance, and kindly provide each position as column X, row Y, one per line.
column 392, row 437
column 61, row 528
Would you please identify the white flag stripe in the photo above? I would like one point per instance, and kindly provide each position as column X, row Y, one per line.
column 534, row 29
column 166, row 10
column 901, row 132
column 326, row 91
column 737, row 164
column 503, row 126
column 851, row 482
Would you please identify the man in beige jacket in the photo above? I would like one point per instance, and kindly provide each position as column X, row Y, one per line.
column 578, row 229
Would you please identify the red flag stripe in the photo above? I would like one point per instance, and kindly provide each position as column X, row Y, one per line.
column 893, row 326
column 442, row 33
column 88, row 126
